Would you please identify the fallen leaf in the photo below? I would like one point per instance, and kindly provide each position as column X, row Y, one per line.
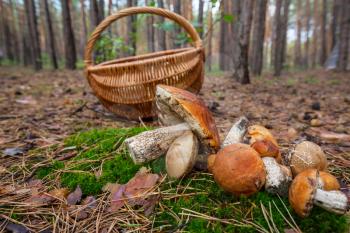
column 75, row 197
column 118, row 198
column 16, row 228
column 331, row 136
column 13, row 151
column 150, row 204
column 35, row 183
column 90, row 201
column 59, row 193
column 27, row 100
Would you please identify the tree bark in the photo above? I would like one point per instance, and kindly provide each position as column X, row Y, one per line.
column 101, row 10
column 94, row 16
column 34, row 34
column 241, row 71
column 150, row 31
column 278, row 40
column 344, row 36
column 51, row 39
column 225, row 49
column 14, row 32
column 315, row 35
column 84, row 30
column 200, row 18
column 297, row 48
column 307, row 28
column 69, row 45
column 323, row 51
column 177, row 9
column 258, row 37
column 285, row 19
column 210, row 37
column 6, row 33
column 131, row 36
column 335, row 22
column 233, row 39
column 160, row 32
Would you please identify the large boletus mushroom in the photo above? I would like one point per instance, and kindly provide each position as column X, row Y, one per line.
column 304, row 193
column 181, row 155
column 238, row 169
column 176, row 106
column 307, row 155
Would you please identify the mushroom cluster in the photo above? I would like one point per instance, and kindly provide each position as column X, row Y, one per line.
column 248, row 159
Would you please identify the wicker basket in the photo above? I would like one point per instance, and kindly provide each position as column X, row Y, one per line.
column 126, row 86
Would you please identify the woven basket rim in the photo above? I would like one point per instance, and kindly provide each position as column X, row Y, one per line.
column 144, row 59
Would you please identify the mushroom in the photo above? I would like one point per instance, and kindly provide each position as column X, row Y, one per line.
column 181, row 155
column 177, row 105
column 238, row 169
column 180, row 111
column 278, row 177
column 304, row 193
column 259, row 132
column 307, row 155
column 327, row 181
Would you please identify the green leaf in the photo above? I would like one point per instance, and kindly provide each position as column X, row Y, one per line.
column 228, row 18
column 152, row 3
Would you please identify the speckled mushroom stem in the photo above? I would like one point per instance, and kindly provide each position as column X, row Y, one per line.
column 151, row 144
column 333, row 201
column 237, row 132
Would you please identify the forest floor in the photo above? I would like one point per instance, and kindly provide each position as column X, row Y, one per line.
column 40, row 110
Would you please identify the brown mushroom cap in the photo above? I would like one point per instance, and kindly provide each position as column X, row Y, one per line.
column 328, row 182
column 267, row 148
column 259, row 132
column 187, row 106
column 238, row 169
column 307, row 155
column 302, row 191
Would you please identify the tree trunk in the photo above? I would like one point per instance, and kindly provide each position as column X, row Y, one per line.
column 84, row 30
column 101, row 10
column 285, row 19
column 307, row 28
column 315, row 35
column 177, row 9
column 323, row 55
column 34, row 34
column 160, row 32
column 14, row 32
column 200, row 18
column 69, row 46
column 225, row 50
column 94, row 14
column 297, row 48
column 51, row 39
column 335, row 22
column 150, row 31
column 258, row 37
column 131, row 25
column 232, row 41
column 6, row 33
column 277, row 50
column 344, row 36
column 241, row 71
column 210, row 37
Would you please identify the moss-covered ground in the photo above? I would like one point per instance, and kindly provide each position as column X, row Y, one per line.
column 193, row 204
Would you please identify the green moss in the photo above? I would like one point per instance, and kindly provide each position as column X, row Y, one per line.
column 100, row 152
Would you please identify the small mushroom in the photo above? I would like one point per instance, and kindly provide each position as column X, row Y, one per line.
column 177, row 105
column 259, row 132
column 278, row 177
column 307, row 155
column 328, row 182
column 266, row 148
column 304, row 193
column 181, row 155
column 238, row 169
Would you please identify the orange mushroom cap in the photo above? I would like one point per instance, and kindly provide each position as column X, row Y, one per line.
column 238, row 169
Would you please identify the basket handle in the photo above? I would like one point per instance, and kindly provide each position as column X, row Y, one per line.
column 197, row 42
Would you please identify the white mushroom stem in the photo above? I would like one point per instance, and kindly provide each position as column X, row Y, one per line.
column 181, row 155
column 149, row 145
column 278, row 177
column 333, row 201
column 236, row 133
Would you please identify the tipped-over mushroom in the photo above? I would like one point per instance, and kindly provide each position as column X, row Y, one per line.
column 177, row 105
column 181, row 155
column 307, row 155
column 278, row 177
column 304, row 193
column 238, row 169
column 183, row 111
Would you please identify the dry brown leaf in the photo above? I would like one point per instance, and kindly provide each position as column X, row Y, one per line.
column 75, row 197
column 331, row 136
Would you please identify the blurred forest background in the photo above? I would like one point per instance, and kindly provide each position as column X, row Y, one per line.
column 244, row 37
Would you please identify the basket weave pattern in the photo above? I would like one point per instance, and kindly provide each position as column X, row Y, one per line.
column 127, row 86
